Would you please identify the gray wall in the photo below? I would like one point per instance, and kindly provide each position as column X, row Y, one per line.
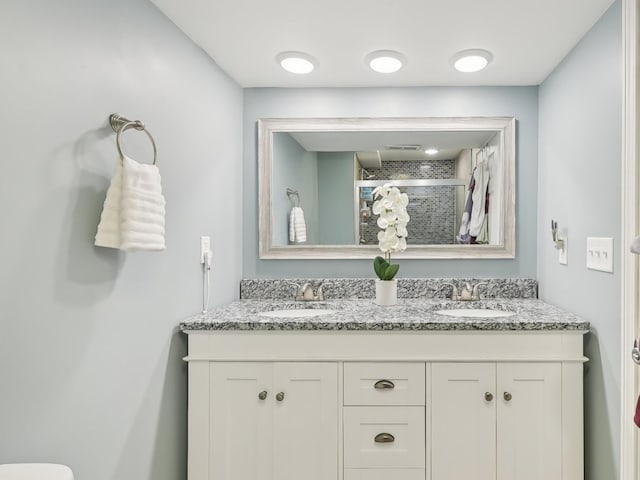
column 521, row 102
column 579, row 186
column 335, row 195
column 297, row 169
column 90, row 356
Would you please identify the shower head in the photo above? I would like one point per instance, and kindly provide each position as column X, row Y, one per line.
column 366, row 174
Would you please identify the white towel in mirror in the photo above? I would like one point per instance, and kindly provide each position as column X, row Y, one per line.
column 297, row 226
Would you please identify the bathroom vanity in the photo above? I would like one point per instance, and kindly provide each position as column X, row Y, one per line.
column 372, row 393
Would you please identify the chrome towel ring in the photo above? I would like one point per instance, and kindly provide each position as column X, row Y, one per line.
column 119, row 124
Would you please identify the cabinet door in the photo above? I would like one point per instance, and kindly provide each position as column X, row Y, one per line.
column 463, row 421
column 306, row 421
column 241, row 423
column 529, row 421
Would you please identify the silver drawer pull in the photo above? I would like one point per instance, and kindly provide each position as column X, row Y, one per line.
column 384, row 385
column 384, row 438
column 262, row 395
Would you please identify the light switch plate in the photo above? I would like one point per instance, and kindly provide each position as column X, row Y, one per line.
column 600, row 254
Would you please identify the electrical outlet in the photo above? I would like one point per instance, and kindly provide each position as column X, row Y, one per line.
column 205, row 246
column 600, row 254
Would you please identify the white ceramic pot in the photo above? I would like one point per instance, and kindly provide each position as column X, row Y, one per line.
column 386, row 292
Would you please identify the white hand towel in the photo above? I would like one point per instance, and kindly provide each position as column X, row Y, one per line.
column 108, row 234
column 297, row 226
column 292, row 229
column 300, row 226
column 133, row 214
column 141, row 207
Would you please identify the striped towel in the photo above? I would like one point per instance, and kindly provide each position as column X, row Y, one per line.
column 133, row 213
column 297, row 226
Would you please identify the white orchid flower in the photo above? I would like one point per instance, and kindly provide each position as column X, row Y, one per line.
column 391, row 208
column 388, row 240
column 402, row 244
column 382, row 190
column 401, row 228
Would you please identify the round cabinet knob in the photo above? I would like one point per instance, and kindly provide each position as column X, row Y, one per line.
column 507, row 396
column 262, row 395
column 280, row 396
column 488, row 396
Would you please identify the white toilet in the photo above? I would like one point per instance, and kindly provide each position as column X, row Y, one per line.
column 35, row 471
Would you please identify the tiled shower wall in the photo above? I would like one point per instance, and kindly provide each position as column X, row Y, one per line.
column 432, row 209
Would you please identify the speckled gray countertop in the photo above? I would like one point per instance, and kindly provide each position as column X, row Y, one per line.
column 408, row 314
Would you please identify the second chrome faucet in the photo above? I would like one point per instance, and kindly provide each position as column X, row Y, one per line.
column 304, row 292
column 466, row 293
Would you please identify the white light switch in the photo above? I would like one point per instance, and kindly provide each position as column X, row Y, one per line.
column 600, row 254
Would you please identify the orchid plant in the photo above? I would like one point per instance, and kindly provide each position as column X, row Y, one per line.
column 391, row 206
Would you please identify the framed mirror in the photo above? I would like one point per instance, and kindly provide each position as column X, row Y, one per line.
column 317, row 178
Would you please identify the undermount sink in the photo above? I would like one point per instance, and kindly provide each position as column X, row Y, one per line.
column 297, row 313
column 475, row 312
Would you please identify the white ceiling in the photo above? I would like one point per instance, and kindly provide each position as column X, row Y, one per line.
column 528, row 38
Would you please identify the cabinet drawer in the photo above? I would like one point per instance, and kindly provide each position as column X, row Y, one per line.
column 384, row 474
column 384, row 437
column 384, row 383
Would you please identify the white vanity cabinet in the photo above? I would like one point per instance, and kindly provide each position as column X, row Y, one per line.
column 496, row 420
column 273, row 420
column 374, row 405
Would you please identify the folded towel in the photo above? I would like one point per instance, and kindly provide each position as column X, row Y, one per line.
column 133, row 213
column 297, row 226
column 636, row 417
column 108, row 234
column 141, row 207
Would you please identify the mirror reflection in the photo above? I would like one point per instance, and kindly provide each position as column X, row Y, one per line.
column 446, row 175
column 317, row 184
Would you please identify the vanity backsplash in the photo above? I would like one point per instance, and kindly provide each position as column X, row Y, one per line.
column 357, row 288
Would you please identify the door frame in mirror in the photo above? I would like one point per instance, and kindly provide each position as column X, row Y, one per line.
column 267, row 127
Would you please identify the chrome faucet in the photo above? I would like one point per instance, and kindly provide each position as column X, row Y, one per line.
column 454, row 290
column 465, row 294
column 304, row 292
column 475, row 295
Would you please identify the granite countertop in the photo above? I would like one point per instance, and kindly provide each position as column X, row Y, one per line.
column 408, row 314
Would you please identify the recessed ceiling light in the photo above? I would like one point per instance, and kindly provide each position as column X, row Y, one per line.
column 385, row 61
column 431, row 151
column 296, row 62
column 469, row 61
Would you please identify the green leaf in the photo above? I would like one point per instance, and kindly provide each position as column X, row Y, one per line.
column 379, row 266
column 391, row 271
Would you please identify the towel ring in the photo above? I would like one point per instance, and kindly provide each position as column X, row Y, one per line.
column 138, row 125
column 120, row 124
